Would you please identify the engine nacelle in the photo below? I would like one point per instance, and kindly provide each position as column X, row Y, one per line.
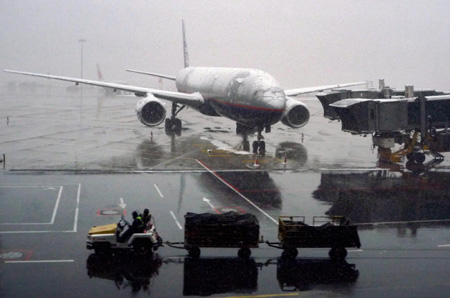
column 150, row 111
column 296, row 114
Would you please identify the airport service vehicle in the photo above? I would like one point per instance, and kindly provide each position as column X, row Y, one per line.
column 336, row 232
column 225, row 230
column 107, row 239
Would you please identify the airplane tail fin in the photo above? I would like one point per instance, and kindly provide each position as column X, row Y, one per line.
column 186, row 56
column 99, row 73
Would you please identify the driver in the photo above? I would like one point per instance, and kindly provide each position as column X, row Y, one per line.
column 138, row 224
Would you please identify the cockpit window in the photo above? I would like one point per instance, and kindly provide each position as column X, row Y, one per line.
column 258, row 93
column 274, row 93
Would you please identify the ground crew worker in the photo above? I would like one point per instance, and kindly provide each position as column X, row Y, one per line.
column 138, row 224
column 146, row 216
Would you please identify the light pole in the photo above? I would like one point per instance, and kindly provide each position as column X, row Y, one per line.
column 81, row 41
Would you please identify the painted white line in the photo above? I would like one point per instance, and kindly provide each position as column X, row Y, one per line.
column 31, row 186
column 25, row 224
column 75, row 221
column 236, row 191
column 35, row 223
column 444, row 245
column 122, row 204
column 176, row 221
column 402, row 222
column 39, row 261
column 56, row 205
column 157, row 189
column 34, row 232
column 209, row 202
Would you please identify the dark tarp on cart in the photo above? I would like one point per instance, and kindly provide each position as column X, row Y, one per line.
column 229, row 229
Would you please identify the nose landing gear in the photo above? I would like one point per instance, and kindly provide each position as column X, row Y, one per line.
column 173, row 125
column 259, row 146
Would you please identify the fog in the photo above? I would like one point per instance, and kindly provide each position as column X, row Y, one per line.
column 301, row 43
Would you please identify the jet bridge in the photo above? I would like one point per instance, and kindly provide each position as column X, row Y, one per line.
column 392, row 117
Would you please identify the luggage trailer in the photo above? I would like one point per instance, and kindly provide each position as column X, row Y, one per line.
column 336, row 232
column 230, row 230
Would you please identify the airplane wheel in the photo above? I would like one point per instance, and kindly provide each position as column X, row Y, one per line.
column 246, row 145
column 177, row 124
column 255, row 147
column 262, row 145
column 168, row 125
column 262, row 148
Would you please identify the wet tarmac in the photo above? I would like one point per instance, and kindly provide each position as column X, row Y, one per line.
column 69, row 167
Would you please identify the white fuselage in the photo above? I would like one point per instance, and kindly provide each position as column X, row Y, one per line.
column 248, row 96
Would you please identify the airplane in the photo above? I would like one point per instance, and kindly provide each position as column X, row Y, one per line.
column 109, row 91
column 250, row 97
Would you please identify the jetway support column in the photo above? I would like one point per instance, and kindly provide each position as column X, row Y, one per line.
column 423, row 123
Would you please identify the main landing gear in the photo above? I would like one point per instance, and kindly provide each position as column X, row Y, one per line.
column 173, row 124
column 258, row 146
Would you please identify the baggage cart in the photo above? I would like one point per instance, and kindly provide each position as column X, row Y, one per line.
column 227, row 230
column 336, row 232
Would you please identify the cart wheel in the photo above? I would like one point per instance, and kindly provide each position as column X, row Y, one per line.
column 244, row 253
column 194, row 252
column 102, row 249
column 337, row 253
column 289, row 253
column 142, row 247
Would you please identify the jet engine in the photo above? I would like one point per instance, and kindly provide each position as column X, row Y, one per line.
column 150, row 111
column 296, row 114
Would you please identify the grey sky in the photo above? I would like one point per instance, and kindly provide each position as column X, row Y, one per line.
column 301, row 43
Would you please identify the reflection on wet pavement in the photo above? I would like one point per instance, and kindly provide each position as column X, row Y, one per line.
column 257, row 186
column 202, row 277
column 125, row 270
column 376, row 196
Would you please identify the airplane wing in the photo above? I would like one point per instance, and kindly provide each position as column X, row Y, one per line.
column 298, row 91
column 193, row 99
column 152, row 74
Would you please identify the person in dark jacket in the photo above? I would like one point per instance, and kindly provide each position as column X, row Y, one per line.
column 146, row 216
column 138, row 224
